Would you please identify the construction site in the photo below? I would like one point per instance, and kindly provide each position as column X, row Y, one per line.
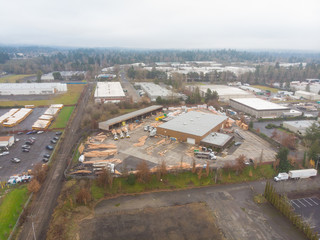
column 122, row 148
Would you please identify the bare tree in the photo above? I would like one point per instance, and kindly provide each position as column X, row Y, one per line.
column 193, row 165
column 240, row 163
column 105, row 178
column 83, row 196
column 34, row 186
column 143, row 173
column 207, row 169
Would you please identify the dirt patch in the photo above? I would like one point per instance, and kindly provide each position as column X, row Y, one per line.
column 191, row 221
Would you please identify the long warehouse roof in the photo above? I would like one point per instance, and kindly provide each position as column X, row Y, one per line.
column 259, row 104
column 105, row 125
column 109, row 89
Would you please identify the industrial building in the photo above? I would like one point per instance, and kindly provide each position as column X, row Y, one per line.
column 66, row 75
column 153, row 91
column 307, row 95
column 6, row 141
column 224, row 92
column 133, row 116
column 109, row 92
column 298, row 127
column 192, row 127
column 31, row 88
column 258, row 108
column 217, row 140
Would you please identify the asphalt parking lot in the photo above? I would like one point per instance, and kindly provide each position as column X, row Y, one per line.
column 28, row 159
column 309, row 209
column 26, row 124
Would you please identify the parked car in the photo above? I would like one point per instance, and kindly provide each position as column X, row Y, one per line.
column 39, row 132
column 14, row 180
column 34, row 132
column 58, row 133
column 46, row 156
column 32, row 138
column 17, row 139
column 28, row 133
column 49, row 147
column 56, row 138
column 4, row 153
column 15, row 160
column 26, row 146
column 19, row 133
column 25, row 178
column 45, row 159
column 29, row 143
column 25, row 150
column 237, row 143
column 53, row 141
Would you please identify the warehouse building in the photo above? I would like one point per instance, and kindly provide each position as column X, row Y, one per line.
column 307, row 95
column 109, row 92
column 298, row 127
column 6, row 141
column 224, row 92
column 31, row 88
column 129, row 117
column 217, row 140
column 153, row 91
column 258, row 108
column 192, row 127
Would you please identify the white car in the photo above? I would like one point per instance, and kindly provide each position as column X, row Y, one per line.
column 14, row 180
column 15, row 160
column 25, row 178
column 39, row 132
column 4, row 153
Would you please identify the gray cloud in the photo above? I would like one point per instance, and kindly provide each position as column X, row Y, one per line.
column 246, row 24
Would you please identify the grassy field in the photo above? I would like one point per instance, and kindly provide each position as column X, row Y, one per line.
column 14, row 78
column 10, row 209
column 63, row 117
column 183, row 180
column 68, row 98
column 273, row 90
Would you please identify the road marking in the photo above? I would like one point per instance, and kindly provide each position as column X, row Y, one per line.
column 295, row 204
column 307, row 202
column 313, row 201
column 301, row 202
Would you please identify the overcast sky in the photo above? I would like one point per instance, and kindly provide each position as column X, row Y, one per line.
column 240, row 24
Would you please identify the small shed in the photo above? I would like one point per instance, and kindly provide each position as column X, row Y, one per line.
column 6, row 141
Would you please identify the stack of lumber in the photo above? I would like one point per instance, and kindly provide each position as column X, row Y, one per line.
column 141, row 142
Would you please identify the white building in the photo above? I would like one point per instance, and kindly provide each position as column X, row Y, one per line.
column 298, row 126
column 6, row 141
column 109, row 92
column 31, row 88
column 153, row 91
column 224, row 92
column 307, row 95
column 258, row 108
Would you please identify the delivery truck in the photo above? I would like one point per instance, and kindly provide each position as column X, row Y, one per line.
column 296, row 174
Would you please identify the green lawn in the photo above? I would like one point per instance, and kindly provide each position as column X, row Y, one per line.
column 273, row 90
column 63, row 117
column 68, row 98
column 14, row 78
column 183, row 180
column 10, row 209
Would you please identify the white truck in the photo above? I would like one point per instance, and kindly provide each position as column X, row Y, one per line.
column 207, row 155
column 296, row 174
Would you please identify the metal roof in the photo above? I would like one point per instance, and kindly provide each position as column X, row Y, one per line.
column 194, row 123
column 105, row 125
column 109, row 89
column 217, row 139
column 259, row 104
column 303, row 124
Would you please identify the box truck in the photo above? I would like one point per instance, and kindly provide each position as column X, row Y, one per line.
column 296, row 174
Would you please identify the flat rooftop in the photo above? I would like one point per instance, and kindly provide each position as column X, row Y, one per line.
column 194, row 123
column 217, row 139
column 109, row 89
column 223, row 90
column 154, row 89
column 306, row 93
column 105, row 125
column 303, row 124
column 259, row 104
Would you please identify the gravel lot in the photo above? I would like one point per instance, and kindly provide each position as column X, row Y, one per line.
column 28, row 159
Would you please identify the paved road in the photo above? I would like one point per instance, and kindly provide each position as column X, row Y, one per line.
column 128, row 86
column 232, row 205
column 45, row 202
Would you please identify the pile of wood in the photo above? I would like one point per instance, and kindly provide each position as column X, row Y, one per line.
column 155, row 124
column 111, row 160
column 101, row 146
column 141, row 142
column 101, row 153
column 161, row 141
